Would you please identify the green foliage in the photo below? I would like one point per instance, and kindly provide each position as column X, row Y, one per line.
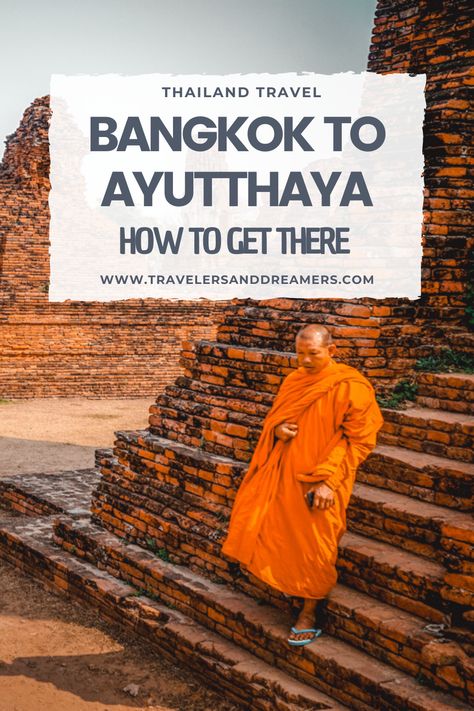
column 153, row 596
column 447, row 361
column 160, row 552
column 44, row 287
column 403, row 391
column 147, row 592
column 3, row 401
column 469, row 310
column 150, row 543
column 469, row 293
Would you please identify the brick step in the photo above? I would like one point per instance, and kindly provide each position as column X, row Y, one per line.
column 244, row 358
column 383, row 632
column 259, row 324
column 147, row 511
column 438, row 432
column 402, row 579
column 446, row 391
column 173, row 488
column 213, row 364
column 261, row 369
column 280, row 334
column 200, row 476
column 460, row 339
column 422, row 476
column 425, row 588
column 360, row 332
column 426, row 595
column 390, row 574
column 246, row 396
column 184, row 410
column 249, row 400
column 194, row 470
column 182, row 405
column 272, row 312
column 120, row 505
column 43, row 494
column 425, row 529
column 64, row 480
column 437, row 480
column 200, row 425
column 243, row 677
column 190, row 533
column 233, row 403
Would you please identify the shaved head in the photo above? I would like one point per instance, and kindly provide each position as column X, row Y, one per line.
column 315, row 330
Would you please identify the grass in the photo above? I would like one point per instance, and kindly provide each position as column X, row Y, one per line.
column 142, row 592
column 160, row 552
column 447, row 361
column 403, row 391
column 469, row 294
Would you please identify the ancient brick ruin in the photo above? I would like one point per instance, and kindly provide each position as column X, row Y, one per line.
column 140, row 535
column 118, row 349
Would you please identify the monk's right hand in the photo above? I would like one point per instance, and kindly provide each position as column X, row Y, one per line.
column 286, row 431
column 323, row 496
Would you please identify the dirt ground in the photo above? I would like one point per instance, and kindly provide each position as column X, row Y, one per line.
column 46, row 435
column 56, row 654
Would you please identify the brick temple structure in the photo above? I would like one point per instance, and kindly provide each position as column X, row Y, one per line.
column 74, row 348
column 140, row 535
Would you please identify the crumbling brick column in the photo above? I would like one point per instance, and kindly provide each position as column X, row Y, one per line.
column 117, row 349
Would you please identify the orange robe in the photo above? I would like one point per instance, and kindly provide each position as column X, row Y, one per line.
column 272, row 531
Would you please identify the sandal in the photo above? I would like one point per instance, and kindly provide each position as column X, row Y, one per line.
column 299, row 643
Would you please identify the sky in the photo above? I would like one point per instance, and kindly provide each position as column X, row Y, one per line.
column 38, row 39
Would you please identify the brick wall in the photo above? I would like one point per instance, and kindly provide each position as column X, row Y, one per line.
column 124, row 348
column 397, row 624
column 432, row 37
column 385, row 337
column 131, row 347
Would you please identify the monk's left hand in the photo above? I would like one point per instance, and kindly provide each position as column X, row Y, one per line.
column 323, row 496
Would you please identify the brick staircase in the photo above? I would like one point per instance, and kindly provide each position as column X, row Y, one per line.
column 149, row 555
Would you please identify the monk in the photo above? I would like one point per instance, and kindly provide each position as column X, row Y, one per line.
column 323, row 423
